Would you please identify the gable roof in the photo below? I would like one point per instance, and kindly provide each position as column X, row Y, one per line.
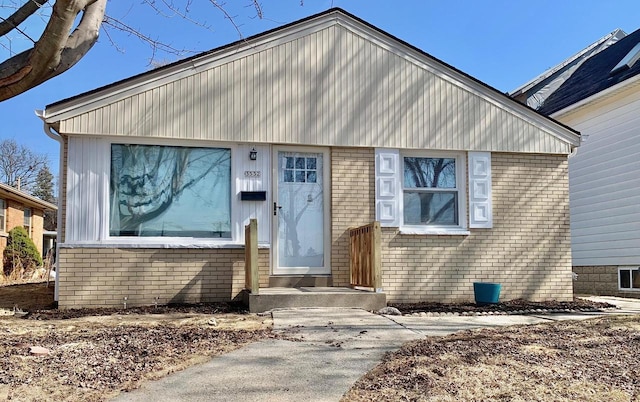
column 594, row 75
column 25, row 198
column 536, row 91
column 337, row 42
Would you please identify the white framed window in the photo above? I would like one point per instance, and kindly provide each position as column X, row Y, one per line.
column 3, row 216
column 27, row 220
column 433, row 196
column 629, row 278
column 170, row 191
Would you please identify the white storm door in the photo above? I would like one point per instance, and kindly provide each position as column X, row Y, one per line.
column 300, row 212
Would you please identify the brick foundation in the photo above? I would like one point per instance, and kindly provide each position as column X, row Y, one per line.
column 527, row 251
column 102, row 277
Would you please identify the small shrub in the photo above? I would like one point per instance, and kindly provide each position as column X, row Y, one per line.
column 21, row 255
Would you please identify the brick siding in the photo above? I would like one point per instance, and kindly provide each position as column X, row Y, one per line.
column 14, row 215
column 102, row 277
column 527, row 251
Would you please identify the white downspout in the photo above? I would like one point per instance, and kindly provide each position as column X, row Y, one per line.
column 48, row 130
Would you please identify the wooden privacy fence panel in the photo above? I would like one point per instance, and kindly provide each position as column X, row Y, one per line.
column 364, row 256
column 251, row 276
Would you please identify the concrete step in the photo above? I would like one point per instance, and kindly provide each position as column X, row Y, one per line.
column 275, row 298
column 296, row 281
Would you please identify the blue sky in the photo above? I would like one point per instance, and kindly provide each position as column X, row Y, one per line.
column 501, row 42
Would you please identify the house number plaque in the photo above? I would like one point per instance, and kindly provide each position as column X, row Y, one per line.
column 252, row 173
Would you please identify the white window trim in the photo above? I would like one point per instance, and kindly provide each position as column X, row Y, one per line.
column 170, row 242
column 105, row 240
column 461, row 187
column 630, row 268
column 3, row 228
column 29, row 227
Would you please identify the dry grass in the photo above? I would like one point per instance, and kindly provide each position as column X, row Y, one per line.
column 94, row 358
column 97, row 353
column 593, row 360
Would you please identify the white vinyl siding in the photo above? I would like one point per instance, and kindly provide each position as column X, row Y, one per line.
column 604, row 179
column 330, row 85
column 87, row 189
column 87, row 196
column 253, row 176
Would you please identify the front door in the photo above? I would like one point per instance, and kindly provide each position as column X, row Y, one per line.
column 300, row 212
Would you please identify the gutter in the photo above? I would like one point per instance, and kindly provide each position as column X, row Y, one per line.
column 49, row 131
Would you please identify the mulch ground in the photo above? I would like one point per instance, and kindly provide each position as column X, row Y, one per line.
column 511, row 306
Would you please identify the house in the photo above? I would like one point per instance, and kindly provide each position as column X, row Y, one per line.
column 321, row 125
column 601, row 99
column 535, row 92
column 18, row 208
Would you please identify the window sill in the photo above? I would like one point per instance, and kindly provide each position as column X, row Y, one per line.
column 434, row 231
column 177, row 245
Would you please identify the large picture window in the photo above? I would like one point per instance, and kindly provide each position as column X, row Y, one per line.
column 168, row 191
column 431, row 191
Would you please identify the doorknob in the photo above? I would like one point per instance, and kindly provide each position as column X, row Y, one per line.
column 276, row 207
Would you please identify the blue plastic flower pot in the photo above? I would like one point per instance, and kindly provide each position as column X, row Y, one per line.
column 486, row 293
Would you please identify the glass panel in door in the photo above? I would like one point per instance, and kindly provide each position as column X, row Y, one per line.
column 300, row 213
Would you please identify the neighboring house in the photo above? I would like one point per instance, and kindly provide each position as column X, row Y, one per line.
column 313, row 128
column 535, row 92
column 601, row 99
column 18, row 208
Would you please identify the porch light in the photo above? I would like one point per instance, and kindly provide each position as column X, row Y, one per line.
column 253, row 154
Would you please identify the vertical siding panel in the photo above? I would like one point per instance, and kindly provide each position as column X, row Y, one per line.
column 269, row 96
column 224, row 100
column 214, row 108
column 246, row 79
column 377, row 128
column 197, row 102
column 260, row 129
column 332, row 84
column 329, row 87
column 160, row 122
column 276, row 112
column 301, row 89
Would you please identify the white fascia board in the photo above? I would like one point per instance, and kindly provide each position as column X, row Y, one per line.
column 146, row 81
column 129, row 87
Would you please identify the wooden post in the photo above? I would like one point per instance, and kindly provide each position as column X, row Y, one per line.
column 252, row 275
column 376, row 258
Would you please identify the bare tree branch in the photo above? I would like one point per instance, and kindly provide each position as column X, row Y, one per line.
column 60, row 46
column 21, row 14
column 56, row 51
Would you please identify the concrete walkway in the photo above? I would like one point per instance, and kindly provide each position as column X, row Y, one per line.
column 330, row 349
